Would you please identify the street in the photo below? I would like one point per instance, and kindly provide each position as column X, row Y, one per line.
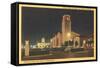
column 60, row 54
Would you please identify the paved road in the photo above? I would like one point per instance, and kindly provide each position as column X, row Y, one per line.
column 59, row 54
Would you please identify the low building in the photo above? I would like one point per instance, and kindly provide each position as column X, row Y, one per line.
column 76, row 38
column 43, row 44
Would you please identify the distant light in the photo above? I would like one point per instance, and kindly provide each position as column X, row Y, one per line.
column 84, row 41
column 43, row 40
column 51, row 40
column 34, row 46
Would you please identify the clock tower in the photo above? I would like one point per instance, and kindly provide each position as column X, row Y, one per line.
column 66, row 28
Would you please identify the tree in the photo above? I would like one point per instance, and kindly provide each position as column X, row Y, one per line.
column 71, row 43
column 76, row 43
column 91, row 42
column 66, row 43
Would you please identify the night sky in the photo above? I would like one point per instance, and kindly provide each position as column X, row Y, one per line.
column 38, row 23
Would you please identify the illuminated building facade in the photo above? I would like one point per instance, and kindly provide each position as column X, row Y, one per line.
column 43, row 44
column 87, row 41
column 56, row 41
column 75, row 38
column 66, row 34
column 53, row 42
column 59, row 39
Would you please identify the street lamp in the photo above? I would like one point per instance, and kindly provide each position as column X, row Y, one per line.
column 69, row 36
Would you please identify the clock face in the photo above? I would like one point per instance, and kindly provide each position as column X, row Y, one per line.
column 67, row 18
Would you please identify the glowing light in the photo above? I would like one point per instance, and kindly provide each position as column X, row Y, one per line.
column 43, row 40
column 84, row 41
column 68, row 34
column 51, row 40
column 42, row 44
column 27, row 42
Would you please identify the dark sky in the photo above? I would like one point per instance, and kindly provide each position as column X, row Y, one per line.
column 38, row 23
